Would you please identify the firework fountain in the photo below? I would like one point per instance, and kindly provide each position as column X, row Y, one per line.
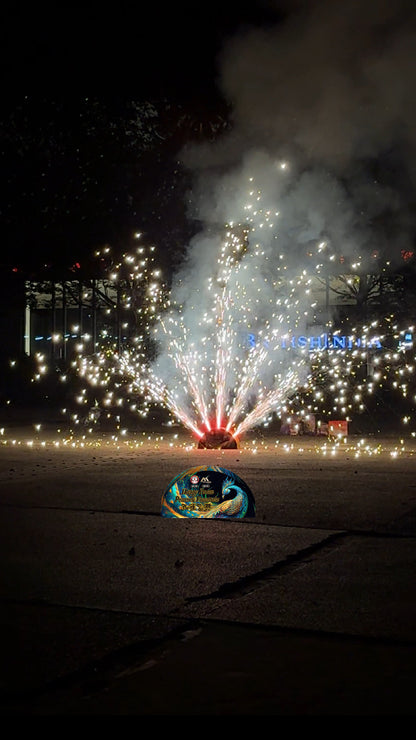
column 216, row 346
column 220, row 363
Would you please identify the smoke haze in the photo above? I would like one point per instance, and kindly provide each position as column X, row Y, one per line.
column 323, row 135
column 330, row 90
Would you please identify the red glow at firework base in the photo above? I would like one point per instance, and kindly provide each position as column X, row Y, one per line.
column 218, row 439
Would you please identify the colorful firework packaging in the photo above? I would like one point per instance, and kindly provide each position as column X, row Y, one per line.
column 208, row 492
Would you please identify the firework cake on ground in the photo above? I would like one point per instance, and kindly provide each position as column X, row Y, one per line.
column 208, row 492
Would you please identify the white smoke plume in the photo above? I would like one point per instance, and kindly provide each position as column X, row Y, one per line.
column 330, row 89
column 323, row 135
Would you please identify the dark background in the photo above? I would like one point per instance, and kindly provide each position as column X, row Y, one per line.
column 97, row 105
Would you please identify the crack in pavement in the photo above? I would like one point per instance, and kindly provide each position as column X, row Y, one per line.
column 250, row 583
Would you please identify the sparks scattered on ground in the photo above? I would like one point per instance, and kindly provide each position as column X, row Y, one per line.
column 273, row 448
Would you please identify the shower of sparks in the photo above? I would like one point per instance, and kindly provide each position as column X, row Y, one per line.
column 218, row 352
column 204, row 370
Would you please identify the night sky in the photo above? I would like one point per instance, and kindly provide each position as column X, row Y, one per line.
column 97, row 107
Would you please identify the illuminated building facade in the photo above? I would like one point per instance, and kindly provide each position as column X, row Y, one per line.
column 59, row 315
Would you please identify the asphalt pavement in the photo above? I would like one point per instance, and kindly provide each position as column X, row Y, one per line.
column 107, row 608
